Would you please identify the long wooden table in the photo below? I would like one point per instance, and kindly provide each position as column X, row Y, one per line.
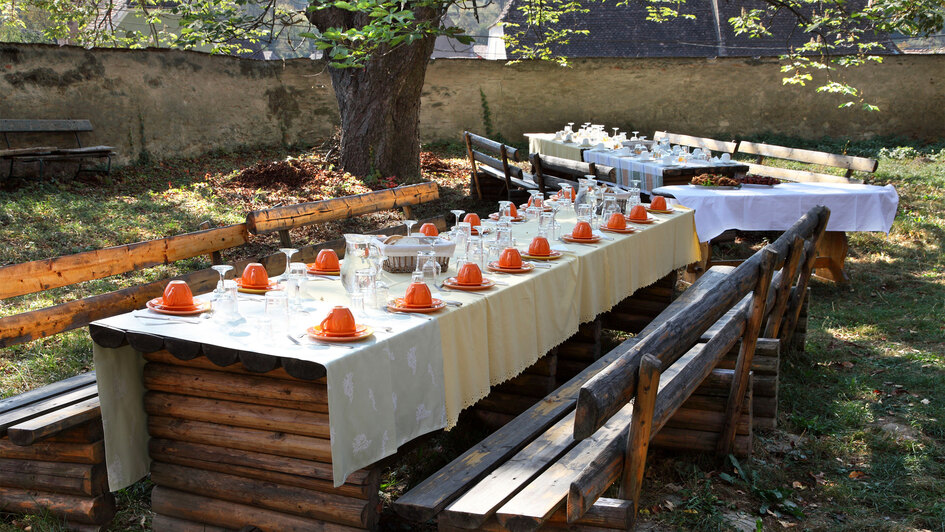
column 237, row 432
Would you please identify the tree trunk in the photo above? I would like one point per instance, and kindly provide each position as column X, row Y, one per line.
column 380, row 103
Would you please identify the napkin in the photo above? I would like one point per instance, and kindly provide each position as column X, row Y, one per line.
column 621, row 152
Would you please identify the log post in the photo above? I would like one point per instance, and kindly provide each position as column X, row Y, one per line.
column 743, row 363
column 472, row 164
column 788, row 274
column 504, row 152
column 638, row 440
column 284, row 238
column 807, row 269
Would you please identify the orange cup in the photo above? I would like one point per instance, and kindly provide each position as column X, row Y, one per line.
column 638, row 212
column 539, row 247
column 562, row 195
column 327, row 261
column 470, row 274
column 658, row 203
column 418, row 295
column 513, row 212
column 339, row 321
column 429, row 229
column 178, row 294
column 582, row 231
column 617, row 221
column 510, row 258
column 255, row 275
column 473, row 219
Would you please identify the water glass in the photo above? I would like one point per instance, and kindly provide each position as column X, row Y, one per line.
column 475, row 252
column 365, row 281
column 381, row 294
column 226, row 306
column 532, row 213
column 584, row 211
column 356, row 303
column 294, row 282
column 503, row 232
column 277, row 311
column 495, row 251
column 430, row 268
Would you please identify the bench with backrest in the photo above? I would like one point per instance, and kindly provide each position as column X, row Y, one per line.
column 44, row 154
column 549, row 466
column 718, row 146
column 493, row 174
column 551, row 172
column 818, row 158
column 52, row 454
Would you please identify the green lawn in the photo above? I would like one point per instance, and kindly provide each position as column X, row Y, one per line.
column 861, row 441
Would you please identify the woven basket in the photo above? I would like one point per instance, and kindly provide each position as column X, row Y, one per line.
column 401, row 257
column 408, row 264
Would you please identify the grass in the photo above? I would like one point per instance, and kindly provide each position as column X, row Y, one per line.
column 861, row 437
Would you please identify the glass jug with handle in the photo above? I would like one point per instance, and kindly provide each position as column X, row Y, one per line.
column 356, row 258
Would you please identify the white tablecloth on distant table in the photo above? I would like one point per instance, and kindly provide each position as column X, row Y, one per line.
column 397, row 386
column 648, row 172
column 545, row 144
column 852, row 207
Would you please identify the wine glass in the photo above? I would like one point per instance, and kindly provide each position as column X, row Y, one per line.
column 288, row 260
column 457, row 213
column 616, row 129
column 221, row 269
column 409, row 224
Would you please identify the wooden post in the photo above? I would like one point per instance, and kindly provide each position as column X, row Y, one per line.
column 536, row 171
column 408, row 213
column 472, row 164
column 284, row 238
column 788, row 274
column 832, row 252
column 797, row 294
column 638, row 441
column 743, row 363
column 215, row 256
column 504, row 152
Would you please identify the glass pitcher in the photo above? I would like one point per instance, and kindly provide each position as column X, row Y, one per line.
column 356, row 258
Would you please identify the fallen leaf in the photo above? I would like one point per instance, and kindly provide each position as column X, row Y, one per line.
column 787, row 524
column 846, row 364
column 798, row 485
column 669, row 505
column 925, row 401
column 856, row 474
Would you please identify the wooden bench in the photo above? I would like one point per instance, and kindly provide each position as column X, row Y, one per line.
column 548, row 467
column 551, row 172
column 44, row 154
column 52, row 454
column 493, row 175
column 720, row 146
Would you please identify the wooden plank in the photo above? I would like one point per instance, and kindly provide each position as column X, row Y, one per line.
column 225, row 514
column 165, row 357
column 292, row 216
column 190, row 380
column 799, row 176
column 90, row 480
column 88, row 432
column 95, row 511
column 52, row 404
column 16, row 125
column 495, row 147
column 45, row 392
column 697, row 142
column 638, row 439
column 35, row 429
column 39, row 275
column 783, row 292
column 605, row 515
column 76, row 453
column 848, row 162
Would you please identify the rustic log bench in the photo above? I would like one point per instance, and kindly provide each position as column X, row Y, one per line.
column 549, row 466
column 551, row 172
column 492, row 174
column 52, row 457
column 44, row 154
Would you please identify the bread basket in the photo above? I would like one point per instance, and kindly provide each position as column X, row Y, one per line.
column 400, row 252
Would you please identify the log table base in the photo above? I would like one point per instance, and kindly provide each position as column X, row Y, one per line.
column 223, row 460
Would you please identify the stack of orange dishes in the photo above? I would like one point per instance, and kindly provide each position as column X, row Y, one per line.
column 582, row 234
column 510, row 261
column 326, row 263
column 617, row 223
column 638, row 215
column 514, row 214
column 429, row 229
column 475, row 223
column 658, row 205
column 417, row 299
column 469, row 278
column 178, row 300
column 255, row 280
column 529, row 204
column 540, row 249
column 339, row 326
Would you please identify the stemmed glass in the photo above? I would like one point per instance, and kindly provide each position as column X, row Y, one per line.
column 616, row 129
column 221, row 269
column 409, row 224
column 457, row 213
column 635, row 135
column 288, row 260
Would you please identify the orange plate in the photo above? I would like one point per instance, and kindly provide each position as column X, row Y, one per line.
column 486, row 284
column 525, row 206
column 273, row 285
column 626, row 231
column 475, row 231
column 200, row 307
column 495, row 216
column 399, row 305
column 569, row 238
column 494, row 266
column 315, row 271
column 361, row 332
column 649, row 220
column 554, row 255
column 657, row 211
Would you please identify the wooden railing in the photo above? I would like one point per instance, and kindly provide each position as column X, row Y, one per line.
column 40, row 275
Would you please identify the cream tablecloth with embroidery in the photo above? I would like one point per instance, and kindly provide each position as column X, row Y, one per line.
column 400, row 385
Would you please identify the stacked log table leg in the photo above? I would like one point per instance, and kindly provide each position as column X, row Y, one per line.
column 232, row 448
column 764, row 366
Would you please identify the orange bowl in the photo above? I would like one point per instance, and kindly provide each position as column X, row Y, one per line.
column 418, row 295
column 582, row 230
column 177, row 294
column 539, row 247
column 473, row 219
column 327, row 261
column 617, row 221
column 255, row 275
column 638, row 212
column 339, row 321
column 510, row 258
column 513, row 212
column 429, row 229
column 470, row 274
column 658, row 203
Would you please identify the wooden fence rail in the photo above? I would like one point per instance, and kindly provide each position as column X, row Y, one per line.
column 36, row 276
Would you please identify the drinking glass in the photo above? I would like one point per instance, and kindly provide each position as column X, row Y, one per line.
column 474, row 251
column 567, row 193
column 488, row 227
column 537, row 199
column 221, row 269
column 429, row 267
column 457, row 213
column 505, row 209
column 297, row 276
column 226, row 307
column 365, row 282
column 503, row 232
column 277, row 311
column 495, row 251
column 288, row 259
column 532, row 213
column 356, row 303
column 409, row 224
column 583, row 211
column 381, row 294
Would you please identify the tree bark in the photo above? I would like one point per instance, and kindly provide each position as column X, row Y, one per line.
column 380, row 103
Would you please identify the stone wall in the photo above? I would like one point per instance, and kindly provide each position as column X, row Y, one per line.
column 162, row 103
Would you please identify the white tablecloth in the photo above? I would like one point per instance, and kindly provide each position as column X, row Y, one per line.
column 545, row 144
column 649, row 172
column 852, row 207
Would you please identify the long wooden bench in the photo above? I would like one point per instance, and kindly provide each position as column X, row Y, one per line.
column 492, row 174
column 44, row 154
column 548, row 467
column 719, row 146
column 551, row 172
column 52, row 454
